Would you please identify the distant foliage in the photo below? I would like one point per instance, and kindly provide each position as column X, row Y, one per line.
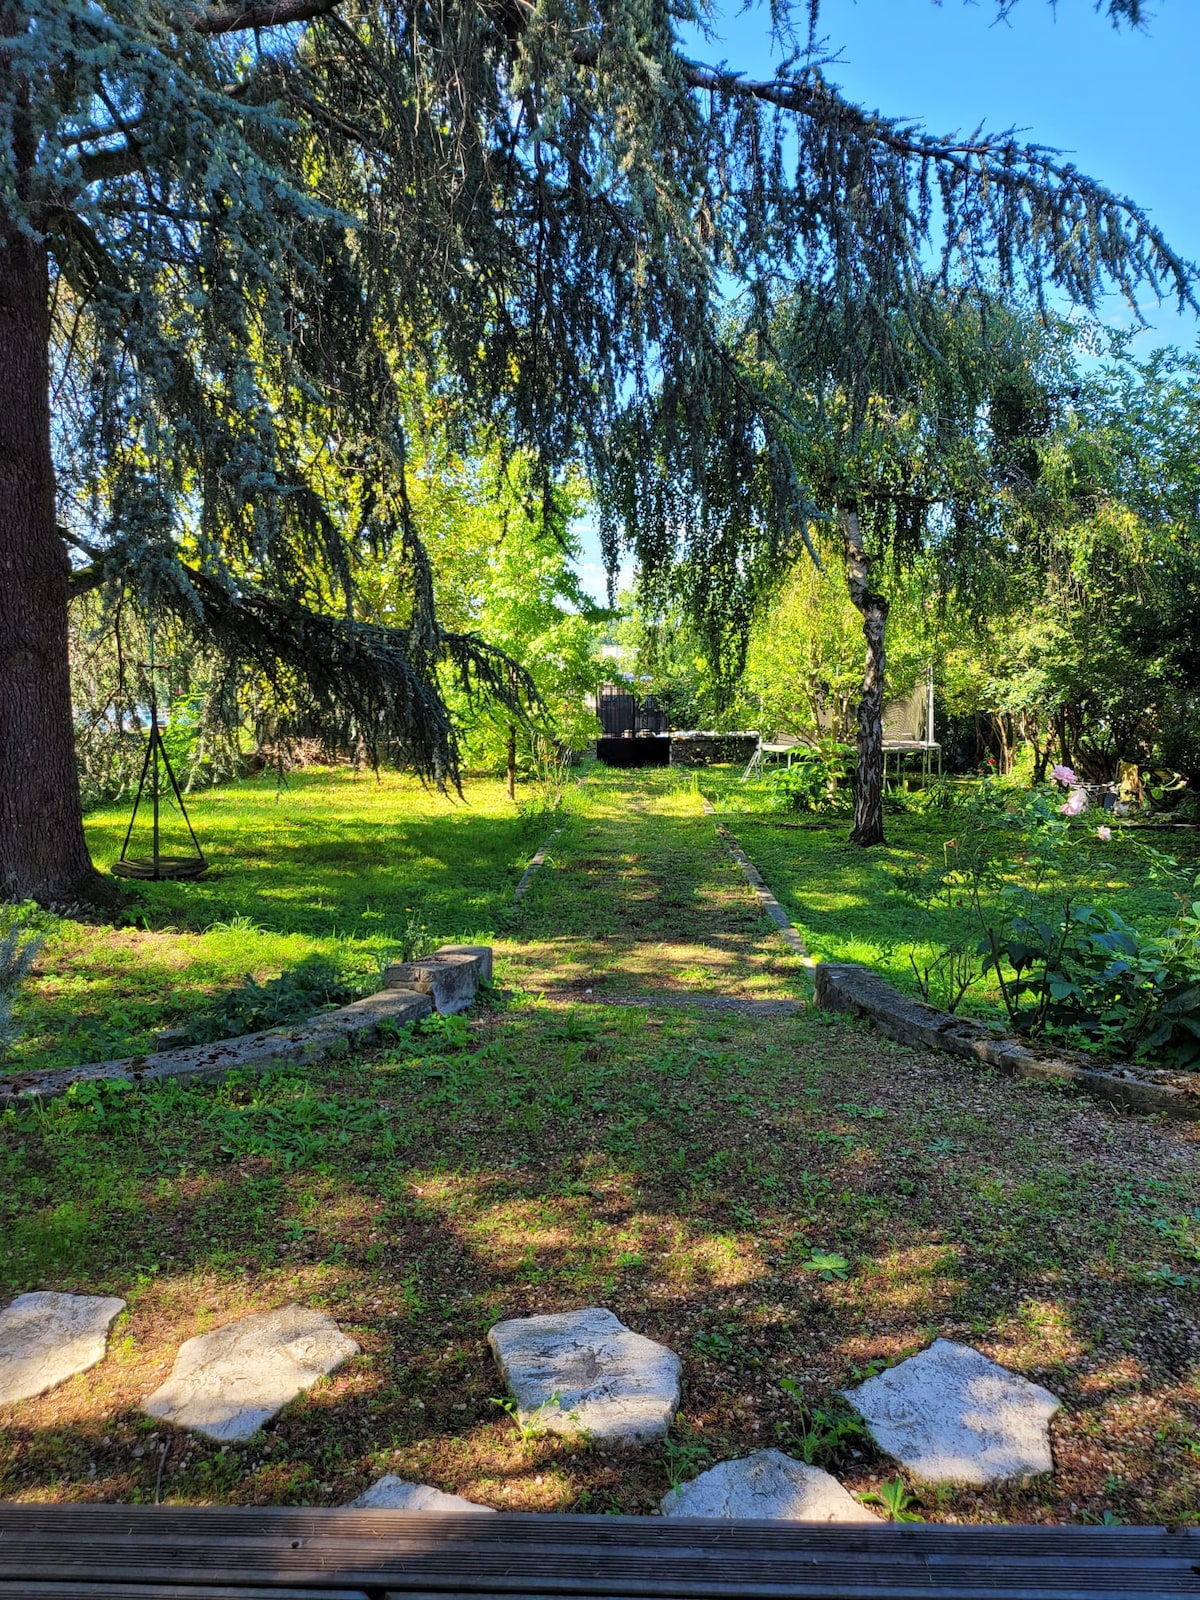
column 1067, row 970
column 819, row 779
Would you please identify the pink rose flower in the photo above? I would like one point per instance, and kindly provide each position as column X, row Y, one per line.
column 1103, row 834
column 1075, row 802
column 1063, row 775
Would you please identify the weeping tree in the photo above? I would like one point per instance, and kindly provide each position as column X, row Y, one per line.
column 911, row 445
column 934, row 466
column 231, row 236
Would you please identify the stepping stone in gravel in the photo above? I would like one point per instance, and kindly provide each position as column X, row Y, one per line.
column 396, row 1494
column 952, row 1416
column 46, row 1338
column 768, row 1487
column 586, row 1372
column 228, row 1383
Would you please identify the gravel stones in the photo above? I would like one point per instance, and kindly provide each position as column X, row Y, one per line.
column 228, row 1383
column 46, row 1338
column 586, row 1372
column 949, row 1415
column 397, row 1494
column 767, row 1487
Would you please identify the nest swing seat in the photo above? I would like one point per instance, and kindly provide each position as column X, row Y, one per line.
column 157, row 867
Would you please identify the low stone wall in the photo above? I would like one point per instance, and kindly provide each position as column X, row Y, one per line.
column 704, row 749
column 447, row 981
column 865, row 994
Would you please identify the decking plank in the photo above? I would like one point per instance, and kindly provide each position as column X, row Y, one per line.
column 516, row 1557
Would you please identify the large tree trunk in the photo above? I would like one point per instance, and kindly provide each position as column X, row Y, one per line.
column 873, row 607
column 43, row 855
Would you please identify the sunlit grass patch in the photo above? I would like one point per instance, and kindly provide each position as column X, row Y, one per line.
column 326, row 880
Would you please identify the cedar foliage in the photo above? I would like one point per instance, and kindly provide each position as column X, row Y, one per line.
column 264, row 218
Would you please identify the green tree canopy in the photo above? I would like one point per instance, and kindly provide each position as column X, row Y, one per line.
column 229, row 232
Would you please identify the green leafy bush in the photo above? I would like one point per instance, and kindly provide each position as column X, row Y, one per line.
column 1077, row 972
column 817, row 780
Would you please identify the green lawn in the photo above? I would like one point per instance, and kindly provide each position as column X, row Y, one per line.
column 640, row 896
column 848, row 903
column 326, row 879
column 775, row 1197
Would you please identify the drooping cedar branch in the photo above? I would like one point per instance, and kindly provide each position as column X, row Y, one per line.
column 280, row 238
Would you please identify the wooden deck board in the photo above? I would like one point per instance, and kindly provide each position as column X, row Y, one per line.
column 98, row 1550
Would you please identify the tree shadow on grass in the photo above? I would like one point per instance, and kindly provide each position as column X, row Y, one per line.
column 684, row 1172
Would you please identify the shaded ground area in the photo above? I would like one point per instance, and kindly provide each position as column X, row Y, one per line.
column 639, row 896
column 681, row 1169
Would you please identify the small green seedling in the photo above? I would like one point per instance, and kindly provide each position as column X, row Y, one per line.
column 895, row 1499
column 828, row 1265
column 531, row 1427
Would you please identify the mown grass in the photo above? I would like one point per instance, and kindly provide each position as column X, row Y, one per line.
column 683, row 1170
column 850, row 905
column 326, row 879
column 639, row 896
column 782, row 1200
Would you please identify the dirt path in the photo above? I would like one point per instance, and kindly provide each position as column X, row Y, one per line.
column 638, row 896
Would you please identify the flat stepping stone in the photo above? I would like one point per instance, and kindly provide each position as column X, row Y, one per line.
column 586, row 1372
column 397, row 1494
column 228, row 1383
column 46, row 1338
column 766, row 1487
column 949, row 1415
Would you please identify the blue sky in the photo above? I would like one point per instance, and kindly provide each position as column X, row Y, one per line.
column 1124, row 105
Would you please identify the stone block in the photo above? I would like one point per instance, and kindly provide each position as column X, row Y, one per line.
column 46, row 1338
column 766, row 1487
column 482, row 951
column 450, row 979
column 857, row 990
column 396, row 1494
column 949, row 1415
column 330, row 1034
column 586, row 1372
column 227, row 1384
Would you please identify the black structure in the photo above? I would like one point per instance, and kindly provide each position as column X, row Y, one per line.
column 156, row 867
column 653, row 750
column 137, row 1552
column 636, row 730
column 622, row 712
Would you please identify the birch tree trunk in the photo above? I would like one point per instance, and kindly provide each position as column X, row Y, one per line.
column 873, row 608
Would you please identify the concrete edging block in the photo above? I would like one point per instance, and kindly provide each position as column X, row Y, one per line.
column 863, row 993
column 332, row 1034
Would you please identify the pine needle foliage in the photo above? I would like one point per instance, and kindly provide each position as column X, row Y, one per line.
column 266, row 219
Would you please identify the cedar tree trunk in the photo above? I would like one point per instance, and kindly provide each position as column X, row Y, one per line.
column 43, row 855
column 873, row 607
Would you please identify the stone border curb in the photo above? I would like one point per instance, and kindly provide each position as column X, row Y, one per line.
column 787, row 928
column 538, row 860
column 863, row 993
column 332, row 1033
